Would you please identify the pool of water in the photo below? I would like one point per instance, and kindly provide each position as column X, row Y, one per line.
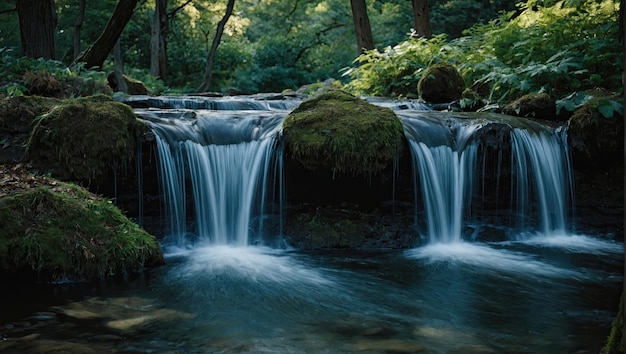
column 539, row 295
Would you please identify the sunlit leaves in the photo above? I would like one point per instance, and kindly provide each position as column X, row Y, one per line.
column 558, row 48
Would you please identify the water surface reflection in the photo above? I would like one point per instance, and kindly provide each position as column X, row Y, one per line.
column 524, row 296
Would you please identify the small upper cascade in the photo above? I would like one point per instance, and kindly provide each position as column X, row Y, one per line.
column 212, row 127
column 260, row 102
column 398, row 104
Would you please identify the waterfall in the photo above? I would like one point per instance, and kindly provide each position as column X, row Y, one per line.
column 446, row 177
column 444, row 149
column 542, row 167
column 221, row 163
column 444, row 164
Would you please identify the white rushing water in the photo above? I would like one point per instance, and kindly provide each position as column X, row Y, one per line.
column 445, row 154
column 227, row 158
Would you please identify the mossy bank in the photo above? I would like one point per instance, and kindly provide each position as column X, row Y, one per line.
column 54, row 231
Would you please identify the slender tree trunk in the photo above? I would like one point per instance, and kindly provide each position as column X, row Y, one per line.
column 362, row 27
column 158, row 41
column 208, row 73
column 421, row 19
column 622, row 19
column 77, row 26
column 37, row 20
column 119, row 67
column 95, row 55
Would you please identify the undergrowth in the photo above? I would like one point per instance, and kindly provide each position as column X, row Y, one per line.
column 559, row 48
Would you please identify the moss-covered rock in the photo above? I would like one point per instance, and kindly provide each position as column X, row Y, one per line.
column 17, row 113
column 82, row 139
column 347, row 228
column 597, row 139
column 533, row 105
column 17, row 116
column 135, row 87
column 440, row 83
column 615, row 341
column 42, row 83
column 339, row 132
column 57, row 231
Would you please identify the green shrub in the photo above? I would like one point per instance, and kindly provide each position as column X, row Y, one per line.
column 557, row 49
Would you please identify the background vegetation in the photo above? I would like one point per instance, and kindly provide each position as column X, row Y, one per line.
column 502, row 49
column 268, row 45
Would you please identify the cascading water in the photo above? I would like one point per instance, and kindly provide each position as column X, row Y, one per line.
column 500, row 296
column 227, row 158
column 444, row 151
column 542, row 165
column 444, row 166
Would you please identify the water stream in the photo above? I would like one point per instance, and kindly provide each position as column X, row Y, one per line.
column 545, row 289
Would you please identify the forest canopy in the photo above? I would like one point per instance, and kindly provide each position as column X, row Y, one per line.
column 502, row 49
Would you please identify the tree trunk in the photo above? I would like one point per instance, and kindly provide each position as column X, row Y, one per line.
column 158, row 41
column 37, row 20
column 208, row 73
column 622, row 19
column 95, row 55
column 77, row 26
column 421, row 19
column 119, row 67
column 362, row 27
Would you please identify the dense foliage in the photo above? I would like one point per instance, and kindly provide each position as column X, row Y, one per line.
column 555, row 47
column 268, row 45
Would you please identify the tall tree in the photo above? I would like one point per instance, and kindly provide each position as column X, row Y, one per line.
column 622, row 27
column 77, row 27
column 158, row 40
column 421, row 19
column 95, row 55
column 208, row 72
column 362, row 27
column 37, row 23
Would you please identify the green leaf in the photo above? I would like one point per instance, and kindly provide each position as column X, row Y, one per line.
column 608, row 108
column 572, row 101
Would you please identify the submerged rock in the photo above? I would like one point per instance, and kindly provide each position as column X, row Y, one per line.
column 53, row 231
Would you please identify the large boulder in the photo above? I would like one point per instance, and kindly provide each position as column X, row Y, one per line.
column 340, row 132
column 134, row 87
column 83, row 139
column 53, row 231
column 440, row 83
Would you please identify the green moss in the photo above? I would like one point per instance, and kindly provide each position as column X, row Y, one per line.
column 345, row 134
column 65, row 232
column 602, row 136
column 18, row 113
column 322, row 231
column 615, row 342
column 440, row 83
column 81, row 139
